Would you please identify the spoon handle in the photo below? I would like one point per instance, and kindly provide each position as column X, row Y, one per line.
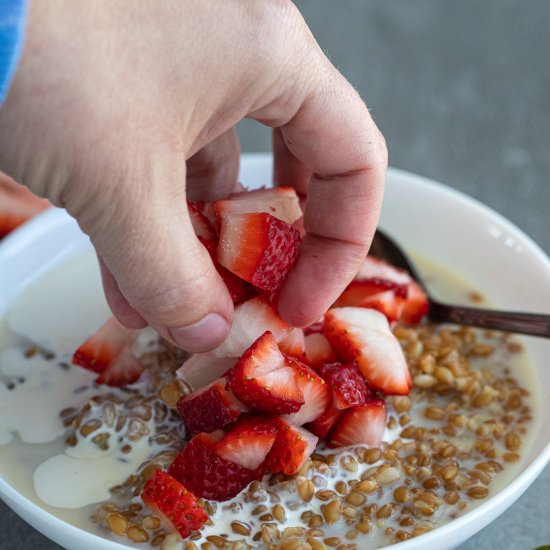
column 535, row 324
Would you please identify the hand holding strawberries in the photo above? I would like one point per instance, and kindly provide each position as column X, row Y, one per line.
column 120, row 111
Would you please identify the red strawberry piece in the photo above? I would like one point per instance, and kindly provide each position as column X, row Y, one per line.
column 262, row 380
column 202, row 227
column 416, row 305
column 280, row 202
column 206, row 474
column 364, row 336
column 322, row 426
column 238, row 289
column 201, row 369
column 124, row 369
column 362, row 425
column 315, row 328
column 209, row 409
column 376, row 268
column 318, row 350
column 108, row 352
column 292, row 447
column 294, row 344
column 17, row 205
column 258, row 248
column 250, row 320
column 173, row 503
column 315, row 391
column 348, row 385
column 380, row 294
column 248, row 441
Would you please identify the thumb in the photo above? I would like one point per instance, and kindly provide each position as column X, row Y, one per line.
column 155, row 269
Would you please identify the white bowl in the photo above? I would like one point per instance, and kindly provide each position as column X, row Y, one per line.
column 427, row 217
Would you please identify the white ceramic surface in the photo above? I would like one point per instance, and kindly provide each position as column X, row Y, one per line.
column 425, row 217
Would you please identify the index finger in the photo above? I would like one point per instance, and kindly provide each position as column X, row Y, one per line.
column 334, row 135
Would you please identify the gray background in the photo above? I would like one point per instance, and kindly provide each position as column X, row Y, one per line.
column 461, row 90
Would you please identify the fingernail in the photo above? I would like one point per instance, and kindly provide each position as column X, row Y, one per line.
column 203, row 335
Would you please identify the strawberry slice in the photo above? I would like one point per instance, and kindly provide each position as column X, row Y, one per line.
column 262, row 380
column 202, row 227
column 316, row 393
column 124, row 369
column 209, row 409
column 281, row 202
column 108, row 353
column 376, row 268
column 318, row 350
column 363, row 335
column 416, row 305
column 173, row 503
column 238, row 289
column 201, row 369
column 250, row 320
column 322, row 426
column 258, row 248
column 294, row 344
column 381, row 294
column 362, row 425
column 348, row 385
column 248, row 441
column 292, row 447
column 17, row 205
column 208, row 475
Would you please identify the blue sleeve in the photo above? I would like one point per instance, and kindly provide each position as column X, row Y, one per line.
column 12, row 24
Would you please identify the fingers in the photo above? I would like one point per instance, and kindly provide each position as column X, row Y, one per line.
column 154, row 268
column 212, row 172
column 120, row 307
column 287, row 169
column 333, row 135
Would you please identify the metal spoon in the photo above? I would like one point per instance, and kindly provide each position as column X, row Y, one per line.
column 536, row 324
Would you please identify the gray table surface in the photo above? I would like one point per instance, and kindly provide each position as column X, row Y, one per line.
column 461, row 90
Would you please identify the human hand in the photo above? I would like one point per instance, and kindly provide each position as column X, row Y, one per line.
column 119, row 110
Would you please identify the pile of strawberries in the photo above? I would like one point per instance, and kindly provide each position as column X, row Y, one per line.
column 265, row 397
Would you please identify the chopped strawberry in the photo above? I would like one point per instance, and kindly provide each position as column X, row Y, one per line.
column 363, row 335
column 17, row 205
column 201, row 369
column 173, row 503
column 316, row 393
column 362, row 425
column 124, row 369
column 206, row 474
column 202, row 227
column 322, row 425
column 348, row 385
column 262, row 380
column 380, row 294
column 280, row 202
column 209, row 409
column 318, row 350
column 248, row 441
column 292, row 447
column 416, row 305
column 294, row 344
column 108, row 352
column 250, row 320
column 258, row 248
column 238, row 289
column 376, row 268
column 315, row 328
